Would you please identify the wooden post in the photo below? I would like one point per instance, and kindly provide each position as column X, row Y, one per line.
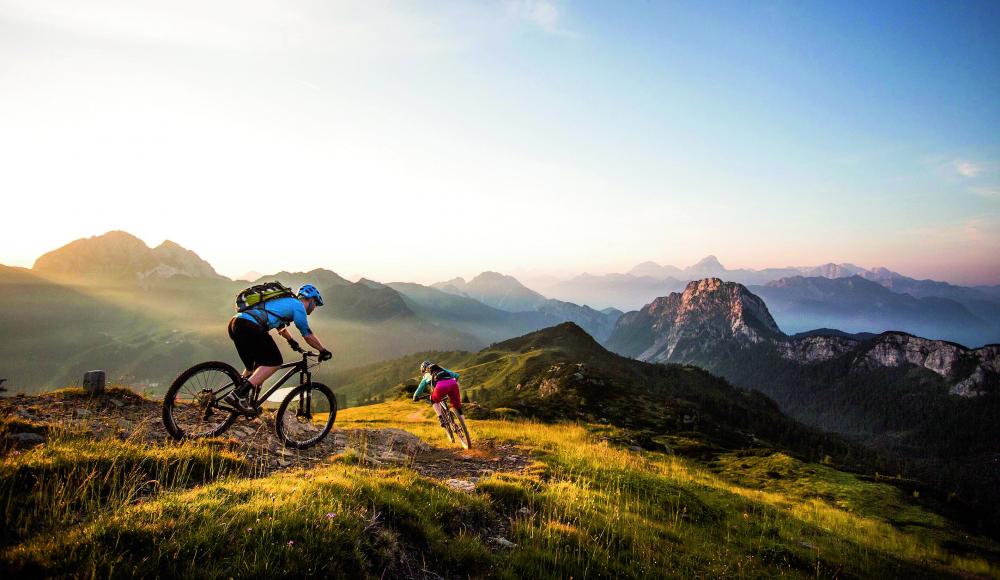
column 93, row 382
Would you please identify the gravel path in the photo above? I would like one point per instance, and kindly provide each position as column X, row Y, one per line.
column 27, row 421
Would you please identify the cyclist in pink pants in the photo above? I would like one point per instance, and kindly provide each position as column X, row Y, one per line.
column 444, row 382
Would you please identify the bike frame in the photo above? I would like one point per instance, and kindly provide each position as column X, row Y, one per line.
column 301, row 367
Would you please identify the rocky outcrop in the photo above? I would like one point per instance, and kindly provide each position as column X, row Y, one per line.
column 897, row 349
column 712, row 317
column 813, row 349
column 973, row 372
column 682, row 326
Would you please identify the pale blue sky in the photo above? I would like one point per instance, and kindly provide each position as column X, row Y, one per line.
column 423, row 140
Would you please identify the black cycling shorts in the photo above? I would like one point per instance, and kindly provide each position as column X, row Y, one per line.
column 255, row 345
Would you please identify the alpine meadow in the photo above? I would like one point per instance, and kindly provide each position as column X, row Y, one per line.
column 503, row 289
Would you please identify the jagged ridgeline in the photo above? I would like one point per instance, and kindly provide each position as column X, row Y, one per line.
column 562, row 373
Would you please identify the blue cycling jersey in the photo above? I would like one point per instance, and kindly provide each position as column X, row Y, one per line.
column 280, row 312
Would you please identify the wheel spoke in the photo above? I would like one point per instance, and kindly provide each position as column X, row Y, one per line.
column 195, row 410
column 305, row 416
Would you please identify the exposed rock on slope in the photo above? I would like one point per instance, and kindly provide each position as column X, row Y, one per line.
column 712, row 317
column 680, row 327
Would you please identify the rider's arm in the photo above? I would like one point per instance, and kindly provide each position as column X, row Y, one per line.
column 453, row 374
column 314, row 342
column 299, row 317
column 283, row 332
column 420, row 388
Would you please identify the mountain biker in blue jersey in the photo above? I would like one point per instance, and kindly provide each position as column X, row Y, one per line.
column 250, row 332
column 444, row 382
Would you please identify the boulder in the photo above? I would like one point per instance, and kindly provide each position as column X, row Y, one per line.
column 28, row 438
column 93, row 382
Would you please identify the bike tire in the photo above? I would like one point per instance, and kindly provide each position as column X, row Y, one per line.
column 458, row 424
column 288, row 438
column 170, row 398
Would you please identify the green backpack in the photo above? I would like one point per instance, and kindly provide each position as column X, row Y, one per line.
column 254, row 297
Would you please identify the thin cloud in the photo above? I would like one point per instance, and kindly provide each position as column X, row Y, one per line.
column 967, row 168
column 544, row 14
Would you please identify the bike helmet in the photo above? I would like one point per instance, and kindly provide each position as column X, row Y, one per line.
column 424, row 366
column 310, row 291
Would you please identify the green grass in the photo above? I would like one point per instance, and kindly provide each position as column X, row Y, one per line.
column 74, row 477
column 584, row 508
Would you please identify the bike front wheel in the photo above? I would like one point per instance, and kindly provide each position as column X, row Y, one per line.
column 461, row 431
column 306, row 415
column 191, row 407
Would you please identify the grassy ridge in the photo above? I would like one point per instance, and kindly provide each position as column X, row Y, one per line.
column 74, row 477
column 586, row 508
column 562, row 373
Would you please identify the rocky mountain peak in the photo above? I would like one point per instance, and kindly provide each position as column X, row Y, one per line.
column 683, row 326
column 713, row 299
column 709, row 262
column 182, row 261
column 120, row 257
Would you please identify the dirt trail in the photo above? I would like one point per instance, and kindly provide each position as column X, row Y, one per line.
column 27, row 421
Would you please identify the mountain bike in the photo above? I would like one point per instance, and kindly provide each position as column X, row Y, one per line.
column 454, row 424
column 195, row 404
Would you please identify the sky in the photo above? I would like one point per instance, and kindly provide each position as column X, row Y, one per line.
column 424, row 140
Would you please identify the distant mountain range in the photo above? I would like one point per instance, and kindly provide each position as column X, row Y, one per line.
column 496, row 290
column 856, row 304
column 930, row 400
column 177, row 290
column 801, row 298
column 709, row 267
column 178, row 304
column 525, row 309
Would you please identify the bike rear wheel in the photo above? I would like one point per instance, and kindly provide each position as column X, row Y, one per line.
column 306, row 415
column 458, row 426
column 191, row 407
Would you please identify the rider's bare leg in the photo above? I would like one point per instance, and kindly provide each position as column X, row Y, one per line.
column 261, row 374
column 438, row 409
